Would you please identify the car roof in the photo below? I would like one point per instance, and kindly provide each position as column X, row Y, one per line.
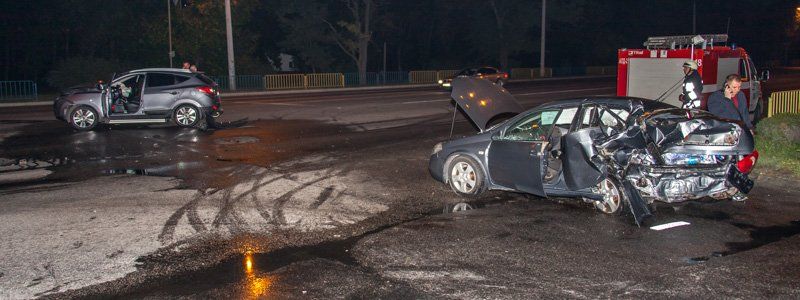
column 160, row 70
column 618, row 101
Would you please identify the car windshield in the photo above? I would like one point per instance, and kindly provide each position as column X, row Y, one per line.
column 537, row 125
column 466, row 72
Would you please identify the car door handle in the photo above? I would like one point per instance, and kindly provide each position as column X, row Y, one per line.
column 173, row 92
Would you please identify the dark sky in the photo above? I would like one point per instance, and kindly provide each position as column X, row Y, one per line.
column 43, row 36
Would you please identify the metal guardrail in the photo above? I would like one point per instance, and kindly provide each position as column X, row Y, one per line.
column 601, row 70
column 529, row 73
column 243, row 82
column 18, row 90
column 421, row 77
column 336, row 80
column 285, row 81
column 444, row 74
column 324, row 80
column 784, row 102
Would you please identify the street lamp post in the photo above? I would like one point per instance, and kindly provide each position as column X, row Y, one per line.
column 541, row 57
column 169, row 30
column 229, row 31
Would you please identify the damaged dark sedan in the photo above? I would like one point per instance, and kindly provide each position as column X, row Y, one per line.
column 619, row 153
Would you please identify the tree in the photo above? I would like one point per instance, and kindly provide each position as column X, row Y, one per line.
column 353, row 35
column 311, row 26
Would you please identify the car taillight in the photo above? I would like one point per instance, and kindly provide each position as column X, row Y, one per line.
column 210, row 91
column 505, row 75
column 745, row 165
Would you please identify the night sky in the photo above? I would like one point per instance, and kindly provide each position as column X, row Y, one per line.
column 48, row 41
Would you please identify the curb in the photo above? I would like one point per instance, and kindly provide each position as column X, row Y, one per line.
column 326, row 90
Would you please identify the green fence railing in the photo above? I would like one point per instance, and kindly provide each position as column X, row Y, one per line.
column 18, row 90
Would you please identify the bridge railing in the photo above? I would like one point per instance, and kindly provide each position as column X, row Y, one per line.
column 338, row 80
column 18, row 90
column 784, row 102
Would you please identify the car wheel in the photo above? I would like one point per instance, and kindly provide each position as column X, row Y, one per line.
column 613, row 199
column 186, row 115
column 499, row 82
column 465, row 176
column 758, row 114
column 83, row 118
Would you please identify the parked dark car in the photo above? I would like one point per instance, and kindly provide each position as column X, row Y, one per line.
column 487, row 73
column 146, row 96
column 618, row 153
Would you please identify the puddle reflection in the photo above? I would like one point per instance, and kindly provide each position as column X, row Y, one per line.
column 256, row 285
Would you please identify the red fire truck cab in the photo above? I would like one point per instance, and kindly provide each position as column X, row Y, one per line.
column 656, row 72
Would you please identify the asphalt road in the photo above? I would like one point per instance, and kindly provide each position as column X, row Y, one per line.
column 327, row 195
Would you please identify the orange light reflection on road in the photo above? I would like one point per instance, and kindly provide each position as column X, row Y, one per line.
column 257, row 286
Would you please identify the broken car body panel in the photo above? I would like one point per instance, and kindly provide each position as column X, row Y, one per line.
column 482, row 100
column 652, row 151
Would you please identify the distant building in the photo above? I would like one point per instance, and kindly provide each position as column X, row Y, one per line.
column 285, row 64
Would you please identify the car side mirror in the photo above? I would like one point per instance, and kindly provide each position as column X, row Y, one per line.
column 100, row 86
column 765, row 75
column 497, row 135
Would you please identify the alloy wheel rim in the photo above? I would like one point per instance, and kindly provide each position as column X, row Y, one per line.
column 83, row 118
column 186, row 116
column 463, row 177
column 611, row 197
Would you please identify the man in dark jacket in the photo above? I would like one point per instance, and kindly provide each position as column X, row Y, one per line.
column 730, row 102
column 692, row 87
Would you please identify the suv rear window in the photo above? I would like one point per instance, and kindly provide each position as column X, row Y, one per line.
column 206, row 80
column 157, row 79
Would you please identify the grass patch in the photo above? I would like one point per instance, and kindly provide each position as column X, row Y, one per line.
column 778, row 143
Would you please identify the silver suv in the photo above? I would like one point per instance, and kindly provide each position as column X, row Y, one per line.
column 146, row 96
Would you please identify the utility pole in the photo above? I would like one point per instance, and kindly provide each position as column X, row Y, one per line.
column 169, row 30
column 384, row 63
column 229, row 31
column 694, row 17
column 541, row 57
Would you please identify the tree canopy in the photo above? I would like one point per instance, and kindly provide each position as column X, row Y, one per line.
column 348, row 35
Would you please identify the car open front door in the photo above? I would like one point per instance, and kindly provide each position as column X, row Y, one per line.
column 516, row 153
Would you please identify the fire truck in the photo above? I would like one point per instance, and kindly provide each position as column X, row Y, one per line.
column 655, row 72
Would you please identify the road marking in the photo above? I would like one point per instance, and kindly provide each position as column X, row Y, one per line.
column 566, row 91
column 267, row 103
column 426, row 101
column 669, row 225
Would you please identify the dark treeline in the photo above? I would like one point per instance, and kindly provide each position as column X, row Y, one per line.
column 62, row 42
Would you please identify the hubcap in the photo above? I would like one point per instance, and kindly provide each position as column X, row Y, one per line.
column 611, row 197
column 463, row 177
column 83, row 118
column 186, row 116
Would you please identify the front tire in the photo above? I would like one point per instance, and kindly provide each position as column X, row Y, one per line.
column 614, row 201
column 465, row 176
column 83, row 118
column 186, row 115
column 500, row 82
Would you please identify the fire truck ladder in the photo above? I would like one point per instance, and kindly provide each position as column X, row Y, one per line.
column 684, row 41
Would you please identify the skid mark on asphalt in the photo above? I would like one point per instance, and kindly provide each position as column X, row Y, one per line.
column 312, row 199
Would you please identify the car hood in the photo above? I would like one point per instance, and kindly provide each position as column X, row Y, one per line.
column 80, row 89
column 482, row 100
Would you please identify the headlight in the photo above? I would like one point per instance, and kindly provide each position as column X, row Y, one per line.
column 437, row 148
column 441, row 81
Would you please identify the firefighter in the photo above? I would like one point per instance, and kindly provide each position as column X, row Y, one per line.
column 692, row 85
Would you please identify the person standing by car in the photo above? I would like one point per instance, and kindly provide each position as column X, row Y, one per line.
column 186, row 65
column 730, row 102
column 692, row 85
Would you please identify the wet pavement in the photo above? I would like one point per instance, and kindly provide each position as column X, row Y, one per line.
column 335, row 201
